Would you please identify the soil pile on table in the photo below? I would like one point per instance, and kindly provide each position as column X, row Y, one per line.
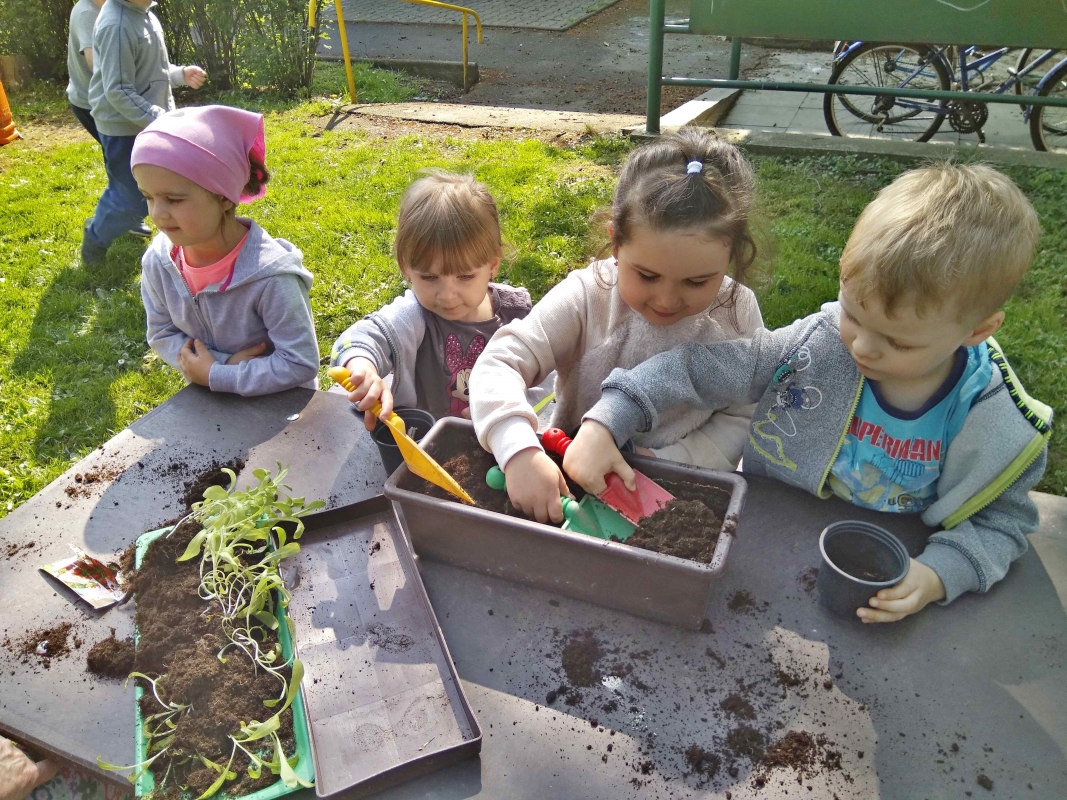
column 580, row 656
column 180, row 639
column 800, row 751
column 738, row 706
column 745, row 741
column 111, row 657
column 44, row 644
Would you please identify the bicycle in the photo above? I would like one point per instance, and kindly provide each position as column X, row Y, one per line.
column 923, row 67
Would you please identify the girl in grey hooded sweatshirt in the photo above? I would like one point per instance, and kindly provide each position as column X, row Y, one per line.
column 226, row 303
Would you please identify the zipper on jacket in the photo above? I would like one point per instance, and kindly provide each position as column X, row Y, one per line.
column 196, row 306
column 1003, row 482
column 840, row 441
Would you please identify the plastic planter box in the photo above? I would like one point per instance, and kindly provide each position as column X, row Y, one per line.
column 640, row 582
column 305, row 768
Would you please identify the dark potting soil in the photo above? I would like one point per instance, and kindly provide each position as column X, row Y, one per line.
column 682, row 528
column 702, row 762
column 741, row 601
column 738, row 706
column 745, row 741
column 180, row 638
column 111, row 657
column 211, row 476
column 797, row 750
column 580, row 656
column 42, row 645
column 985, row 782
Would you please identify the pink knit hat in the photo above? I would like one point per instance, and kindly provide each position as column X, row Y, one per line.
column 209, row 145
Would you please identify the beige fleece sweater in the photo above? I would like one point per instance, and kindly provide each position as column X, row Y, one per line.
column 583, row 331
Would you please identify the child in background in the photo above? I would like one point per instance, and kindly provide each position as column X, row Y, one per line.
column 895, row 398
column 448, row 249
column 679, row 224
column 130, row 87
column 226, row 303
column 80, row 60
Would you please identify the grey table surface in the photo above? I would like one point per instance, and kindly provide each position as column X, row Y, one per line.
column 916, row 709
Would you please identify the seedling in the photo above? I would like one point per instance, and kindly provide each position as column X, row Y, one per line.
column 239, row 573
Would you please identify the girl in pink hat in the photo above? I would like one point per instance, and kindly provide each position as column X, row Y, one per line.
column 227, row 304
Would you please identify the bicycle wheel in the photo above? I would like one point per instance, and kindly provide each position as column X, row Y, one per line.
column 1024, row 59
column 887, row 65
column 1048, row 124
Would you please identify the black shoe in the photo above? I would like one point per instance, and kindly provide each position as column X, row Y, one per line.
column 141, row 231
column 93, row 255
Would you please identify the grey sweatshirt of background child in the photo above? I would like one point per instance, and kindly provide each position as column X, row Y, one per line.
column 265, row 301
column 82, row 19
column 132, row 74
column 429, row 357
column 990, row 466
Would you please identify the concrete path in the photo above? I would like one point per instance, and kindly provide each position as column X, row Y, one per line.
column 539, row 14
column 599, row 65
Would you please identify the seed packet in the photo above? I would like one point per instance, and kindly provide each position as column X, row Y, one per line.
column 93, row 581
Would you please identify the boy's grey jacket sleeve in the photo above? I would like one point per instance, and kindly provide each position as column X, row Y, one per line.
column 286, row 312
column 976, row 553
column 713, row 375
column 114, row 54
column 389, row 338
column 177, row 75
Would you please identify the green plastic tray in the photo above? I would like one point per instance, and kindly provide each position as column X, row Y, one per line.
column 305, row 768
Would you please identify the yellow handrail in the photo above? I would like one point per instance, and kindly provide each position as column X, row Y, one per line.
column 344, row 35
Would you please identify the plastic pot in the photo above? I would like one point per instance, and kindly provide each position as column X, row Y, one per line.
column 858, row 559
column 418, row 424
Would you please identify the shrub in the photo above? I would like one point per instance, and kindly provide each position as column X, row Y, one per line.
column 254, row 43
column 37, row 30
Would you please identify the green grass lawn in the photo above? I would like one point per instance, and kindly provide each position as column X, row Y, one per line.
column 74, row 367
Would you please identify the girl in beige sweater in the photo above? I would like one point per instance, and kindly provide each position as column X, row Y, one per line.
column 679, row 224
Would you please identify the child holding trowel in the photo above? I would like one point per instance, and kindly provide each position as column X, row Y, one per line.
column 227, row 304
column 679, row 224
column 895, row 398
column 448, row 249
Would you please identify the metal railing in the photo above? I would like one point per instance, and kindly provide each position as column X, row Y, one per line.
column 344, row 35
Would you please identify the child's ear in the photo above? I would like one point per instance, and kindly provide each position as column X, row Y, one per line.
column 495, row 268
column 985, row 328
column 614, row 243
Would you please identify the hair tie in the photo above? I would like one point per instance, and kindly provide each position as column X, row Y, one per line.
column 694, row 167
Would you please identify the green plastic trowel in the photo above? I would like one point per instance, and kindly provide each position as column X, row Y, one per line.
column 588, row 515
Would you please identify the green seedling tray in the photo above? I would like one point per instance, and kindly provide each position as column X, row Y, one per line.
column 304, row 768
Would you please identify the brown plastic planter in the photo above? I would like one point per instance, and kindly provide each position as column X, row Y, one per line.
column 640, row 582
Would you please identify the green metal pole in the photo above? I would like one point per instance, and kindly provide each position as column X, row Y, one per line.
column 735, row 58
column 656, row 13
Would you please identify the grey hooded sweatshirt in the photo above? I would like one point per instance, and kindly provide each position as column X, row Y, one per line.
column 266, row 301
column 982, row 504
column 132, row 73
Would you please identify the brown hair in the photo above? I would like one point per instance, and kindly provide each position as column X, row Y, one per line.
column 960, row 232
column 449, row 216
column 659, row 191
column 257, row 176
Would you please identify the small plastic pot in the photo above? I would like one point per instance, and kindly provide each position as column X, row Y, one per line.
column 858, row 559
column 418, row 424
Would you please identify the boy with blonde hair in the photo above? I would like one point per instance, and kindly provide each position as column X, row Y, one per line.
column 895, row 398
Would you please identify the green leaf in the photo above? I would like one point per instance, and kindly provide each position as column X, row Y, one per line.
column 289, row 778
column 194, row 546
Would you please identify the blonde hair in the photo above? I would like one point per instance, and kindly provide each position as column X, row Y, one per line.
column 448, row 216
column 959, row 232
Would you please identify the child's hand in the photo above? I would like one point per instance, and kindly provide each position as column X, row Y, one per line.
column 370, row 389
column 255, row 351
column 19, row 775
column 535, row 485
column 920, row 587
column 592, row 455
column 195, row 360
column 194, row 77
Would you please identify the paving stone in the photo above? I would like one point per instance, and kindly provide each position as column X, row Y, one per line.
column 556, row 15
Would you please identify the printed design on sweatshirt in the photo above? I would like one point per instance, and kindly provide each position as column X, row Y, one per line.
column 789, row 395
column 878, row 471
column 460, row 364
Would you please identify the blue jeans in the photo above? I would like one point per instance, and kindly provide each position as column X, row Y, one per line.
column 122, row 206
column 86, row 119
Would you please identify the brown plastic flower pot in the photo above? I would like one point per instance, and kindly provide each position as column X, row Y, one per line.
column 647, row 584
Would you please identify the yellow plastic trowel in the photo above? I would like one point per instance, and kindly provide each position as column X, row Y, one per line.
column 417, row 459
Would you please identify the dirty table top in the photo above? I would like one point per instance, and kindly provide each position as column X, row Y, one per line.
column 921, row 708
